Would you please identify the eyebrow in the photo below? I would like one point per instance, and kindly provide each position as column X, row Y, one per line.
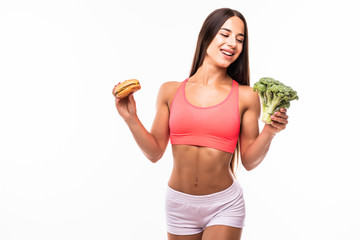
column 228, row 30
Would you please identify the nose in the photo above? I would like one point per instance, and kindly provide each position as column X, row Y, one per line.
column 231, row 41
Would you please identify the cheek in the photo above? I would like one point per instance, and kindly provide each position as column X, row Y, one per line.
column 240, row 48
column 211, row 50
column 214, row 45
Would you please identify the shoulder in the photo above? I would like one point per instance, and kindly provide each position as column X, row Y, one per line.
column 249, row 98
column 246, row 93
column 169, row 88
column 167, row 91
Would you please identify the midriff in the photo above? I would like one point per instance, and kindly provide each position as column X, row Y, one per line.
column 200, row 170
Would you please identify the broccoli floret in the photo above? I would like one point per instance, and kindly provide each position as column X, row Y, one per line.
column 274, row 95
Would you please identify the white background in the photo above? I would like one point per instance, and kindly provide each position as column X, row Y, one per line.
column 69, row 167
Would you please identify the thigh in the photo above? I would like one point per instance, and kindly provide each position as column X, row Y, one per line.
column 217, row 232
column 185, row 237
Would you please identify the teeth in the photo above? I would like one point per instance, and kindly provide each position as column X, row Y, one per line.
column 227, row 53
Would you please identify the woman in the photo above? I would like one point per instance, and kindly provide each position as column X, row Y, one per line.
column 209, row 118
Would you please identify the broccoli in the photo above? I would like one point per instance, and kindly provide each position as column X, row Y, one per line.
column 274, row 95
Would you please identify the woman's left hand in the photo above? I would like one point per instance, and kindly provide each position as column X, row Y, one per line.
column 279, row 120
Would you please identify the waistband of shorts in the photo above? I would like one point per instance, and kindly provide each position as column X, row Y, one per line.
column 225, row 195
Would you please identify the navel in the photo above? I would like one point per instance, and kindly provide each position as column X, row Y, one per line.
column 196, row 183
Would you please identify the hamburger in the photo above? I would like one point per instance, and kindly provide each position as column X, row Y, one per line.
column 123, row 89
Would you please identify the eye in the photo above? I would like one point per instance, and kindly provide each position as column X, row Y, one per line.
column 240, row 40
column 223, row 34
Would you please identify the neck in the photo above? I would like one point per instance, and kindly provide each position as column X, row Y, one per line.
column 210, row 74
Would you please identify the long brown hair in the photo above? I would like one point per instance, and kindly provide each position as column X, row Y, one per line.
column 238, row 70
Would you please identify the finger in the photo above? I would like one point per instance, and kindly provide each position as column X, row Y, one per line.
column 117, row 99
column 131, row 98
column 280, row 120
column 121, row 101
column 281, row 114
column 278, row 126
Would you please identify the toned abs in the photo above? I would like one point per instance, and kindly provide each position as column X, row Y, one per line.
column 200, row 170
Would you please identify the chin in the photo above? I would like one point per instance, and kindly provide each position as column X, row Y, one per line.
column 224, row 64
column 220, row 62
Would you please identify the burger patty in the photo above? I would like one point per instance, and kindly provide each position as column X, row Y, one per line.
column 123, row 88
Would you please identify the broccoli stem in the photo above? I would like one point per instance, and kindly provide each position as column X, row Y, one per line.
column 266, row 118
column 270, row 108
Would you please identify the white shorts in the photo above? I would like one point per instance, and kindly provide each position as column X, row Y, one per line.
column 188, row 214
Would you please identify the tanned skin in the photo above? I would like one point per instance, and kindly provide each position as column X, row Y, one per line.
column 203, row 170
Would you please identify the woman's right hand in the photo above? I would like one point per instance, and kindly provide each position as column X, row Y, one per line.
column 126, row 107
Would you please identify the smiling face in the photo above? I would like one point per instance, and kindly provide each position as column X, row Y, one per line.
column 227, row 44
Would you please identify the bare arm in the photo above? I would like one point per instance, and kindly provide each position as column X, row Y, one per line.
column 254, row 146
column 153, row 144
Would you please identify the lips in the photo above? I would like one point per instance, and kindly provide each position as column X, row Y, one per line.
column 228, row 52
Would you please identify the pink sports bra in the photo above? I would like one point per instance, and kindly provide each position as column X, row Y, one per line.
column 216, row 126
